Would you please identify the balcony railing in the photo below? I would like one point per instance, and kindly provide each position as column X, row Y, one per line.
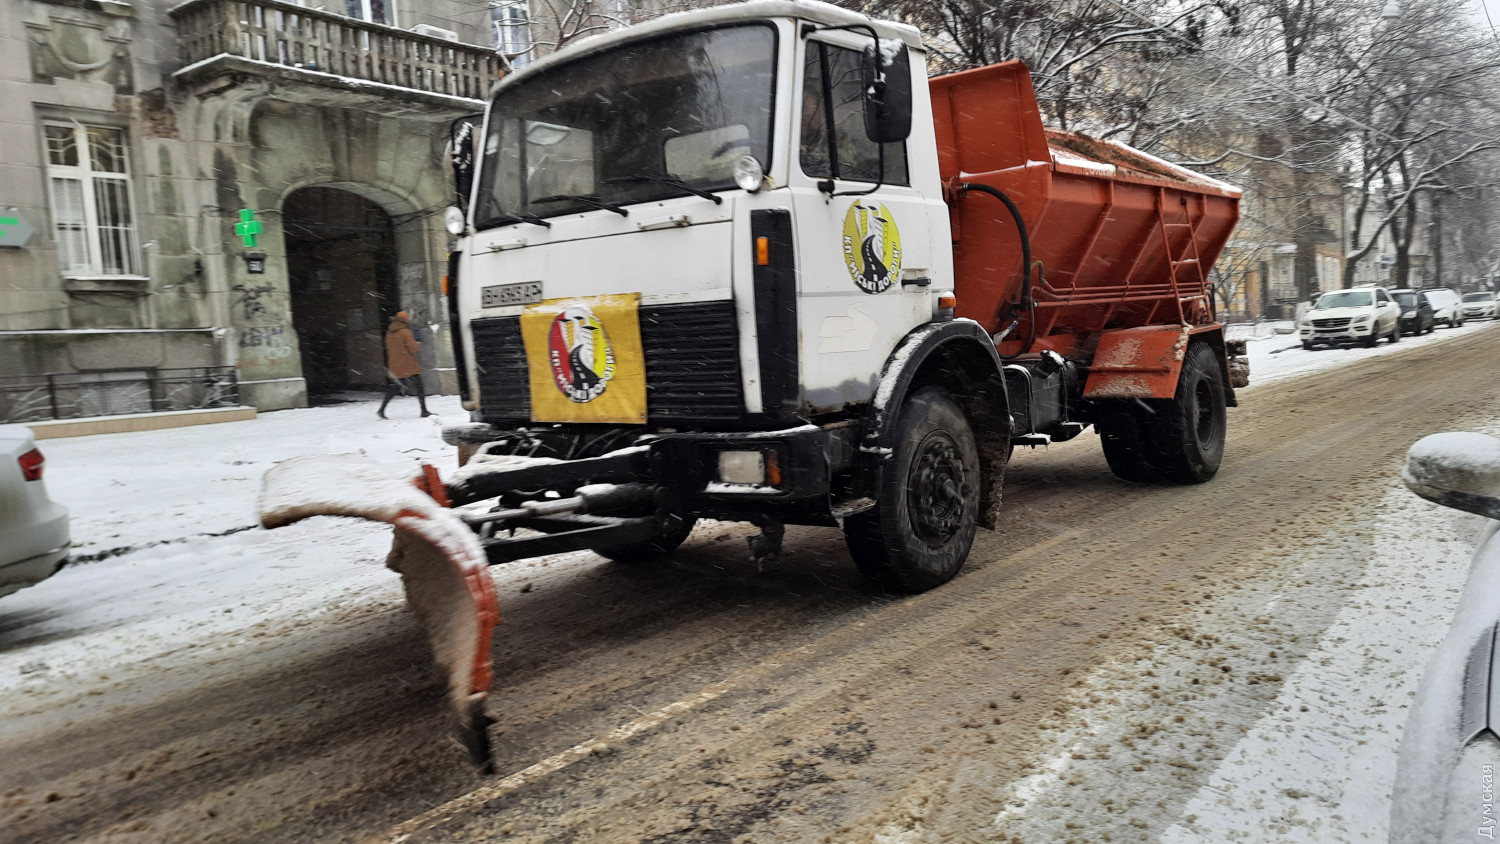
column 292, row 36
column 73, row 395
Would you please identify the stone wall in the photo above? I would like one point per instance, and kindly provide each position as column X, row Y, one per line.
column 198, row 153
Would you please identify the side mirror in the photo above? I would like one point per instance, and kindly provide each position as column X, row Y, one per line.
column 461, row 153
column 1459, row 470
column 887, row 84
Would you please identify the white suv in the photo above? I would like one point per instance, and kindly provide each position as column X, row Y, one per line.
column 1361, row 314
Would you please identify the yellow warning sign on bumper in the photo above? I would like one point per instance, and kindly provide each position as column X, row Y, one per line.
column 585, row 360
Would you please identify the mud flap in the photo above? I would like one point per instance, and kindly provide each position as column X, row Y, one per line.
column 438, row 557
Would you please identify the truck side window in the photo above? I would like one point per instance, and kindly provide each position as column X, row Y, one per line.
column 833, row 142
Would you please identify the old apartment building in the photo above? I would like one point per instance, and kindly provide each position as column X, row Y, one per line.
column 204, row 196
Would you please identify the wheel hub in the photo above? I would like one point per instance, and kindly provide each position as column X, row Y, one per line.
column 936, row 496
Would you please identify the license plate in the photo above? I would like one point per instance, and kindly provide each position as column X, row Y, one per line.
column 500, row 295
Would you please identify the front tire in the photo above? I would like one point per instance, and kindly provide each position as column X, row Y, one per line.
column 1187, row 434
column 1307, row 345
column 1395, row 333
column 922, row 527
column 661, row 546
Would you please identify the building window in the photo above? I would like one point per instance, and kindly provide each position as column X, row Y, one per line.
column 512, row 26
column 374, row 11
column 93, row 217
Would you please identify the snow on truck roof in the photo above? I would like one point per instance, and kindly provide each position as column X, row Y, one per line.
column 749, row 12
column 1077, row 153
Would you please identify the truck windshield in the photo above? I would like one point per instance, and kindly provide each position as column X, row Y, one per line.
column 640, row 122
column 1344, row 299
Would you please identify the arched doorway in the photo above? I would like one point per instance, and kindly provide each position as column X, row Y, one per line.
column 341, row 268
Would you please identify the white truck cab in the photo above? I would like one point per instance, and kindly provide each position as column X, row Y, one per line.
column 652, row 164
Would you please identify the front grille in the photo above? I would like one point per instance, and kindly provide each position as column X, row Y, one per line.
column 1337, row 322
column 504, row 388
column 692, row 365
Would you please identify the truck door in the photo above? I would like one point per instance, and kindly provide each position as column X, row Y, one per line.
column 865, row 260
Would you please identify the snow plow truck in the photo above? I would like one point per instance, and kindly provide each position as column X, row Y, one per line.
column 750, row 263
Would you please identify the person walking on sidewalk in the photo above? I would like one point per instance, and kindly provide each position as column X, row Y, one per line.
column 401, row 363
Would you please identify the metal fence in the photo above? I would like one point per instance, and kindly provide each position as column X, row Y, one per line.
column 73, row 395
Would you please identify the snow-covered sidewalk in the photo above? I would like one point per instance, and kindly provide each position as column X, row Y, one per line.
column 1279, row 356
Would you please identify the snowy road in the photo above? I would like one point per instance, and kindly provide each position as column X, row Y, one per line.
column 1154, row 663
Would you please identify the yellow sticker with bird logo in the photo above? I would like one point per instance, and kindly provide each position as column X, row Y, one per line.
column 584, row 359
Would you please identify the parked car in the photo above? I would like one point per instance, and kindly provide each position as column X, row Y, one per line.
column 1361, row 314
column 1416, row 311
column 34, row 538
column 1446, row 307
column 1446, row 786
column 1478, row 305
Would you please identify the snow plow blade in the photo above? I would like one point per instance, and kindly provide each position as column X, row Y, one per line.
column 438, row 557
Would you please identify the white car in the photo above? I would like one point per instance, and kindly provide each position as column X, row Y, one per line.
column 1446, row 786
column 1478, row 305
column 1446, row 307
column 34, row 537
column 1361, row 314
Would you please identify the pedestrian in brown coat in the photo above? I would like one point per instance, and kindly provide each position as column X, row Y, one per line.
column 401, row 363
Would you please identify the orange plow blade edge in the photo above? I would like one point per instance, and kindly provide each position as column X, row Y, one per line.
column 441, row 564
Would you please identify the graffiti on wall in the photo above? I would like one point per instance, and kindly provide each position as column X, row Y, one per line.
column 265, row 341
column 250, row 298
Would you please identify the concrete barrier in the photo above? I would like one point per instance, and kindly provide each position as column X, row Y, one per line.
column 54, row 428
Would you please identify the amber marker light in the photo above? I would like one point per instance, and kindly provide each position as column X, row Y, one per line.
column 762, row 251
column 947, row 300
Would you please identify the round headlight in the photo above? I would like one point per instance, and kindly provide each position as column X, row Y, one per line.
column 748, row 173
column 453, row 219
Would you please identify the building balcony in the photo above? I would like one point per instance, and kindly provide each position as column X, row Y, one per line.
column 319, row 58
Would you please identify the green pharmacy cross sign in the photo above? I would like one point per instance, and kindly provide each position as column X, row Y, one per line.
column 248, row 227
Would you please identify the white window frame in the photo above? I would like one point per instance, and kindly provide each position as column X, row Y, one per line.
column 364, row 11
column 91, row 264
column 512, row 31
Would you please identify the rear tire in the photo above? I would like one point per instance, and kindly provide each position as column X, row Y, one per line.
column 1186, row 437
column 661, row 546
column 922, row 527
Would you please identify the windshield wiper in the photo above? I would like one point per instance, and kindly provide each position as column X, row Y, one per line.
column 666, row 180
column 507, row 219
column 586, row 200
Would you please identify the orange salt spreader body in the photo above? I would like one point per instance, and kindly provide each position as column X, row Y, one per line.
column 1124, row 240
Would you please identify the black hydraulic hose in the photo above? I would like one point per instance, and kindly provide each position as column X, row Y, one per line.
column 1026, row 303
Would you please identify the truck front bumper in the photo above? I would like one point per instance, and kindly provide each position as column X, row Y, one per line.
column 795, row 475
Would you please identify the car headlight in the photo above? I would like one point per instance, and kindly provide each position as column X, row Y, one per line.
column 1361, row 320
column 1408, row 314
column 748, row 174
column 453, row 220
